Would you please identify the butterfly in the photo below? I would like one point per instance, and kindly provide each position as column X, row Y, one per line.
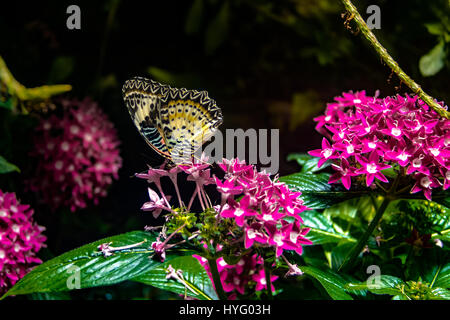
column 174, row 122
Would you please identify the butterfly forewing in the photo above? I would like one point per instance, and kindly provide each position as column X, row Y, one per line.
column 143, row 104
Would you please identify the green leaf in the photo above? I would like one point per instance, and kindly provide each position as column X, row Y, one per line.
column 442, row 197
column 199, row 284
column 444, row 235
column 386, row 285
column 322, row 230
column 307, row 162
column 442, row 277
column 339, row 253
column 316, row 192
column 332, row 282
column 436, row 29
column 194, row 17
column 93, row 269
column 218, row 29
column 433, row 61
column 6, row 167
column 439, row 294
column 7, row 103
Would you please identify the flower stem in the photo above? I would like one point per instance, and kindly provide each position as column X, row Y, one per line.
column 216, row 279
column 268, row 281
column 354, row 252
column 393, row 65
column 200, row 198
column 180, row 202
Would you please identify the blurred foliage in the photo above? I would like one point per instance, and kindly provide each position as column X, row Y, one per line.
column 14, row 95
column 432, row 62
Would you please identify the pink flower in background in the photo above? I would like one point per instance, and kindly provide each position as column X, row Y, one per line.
column 370, row 134
column 77, row 156
column 20, row 240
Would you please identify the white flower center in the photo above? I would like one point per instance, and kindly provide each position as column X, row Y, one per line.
column 435, row 151
column 372, row 145
column 88, row 137
column 2, row 254
column 447, row 175
column 425, row 182
column 267, row 217
column 65, row 146
column 3, row 213
column 356, row 101
column 99, row 166
column 403, row 156
column 350, row 149
column 417, row 163
column 263, row 281
column 327, row 118
column 58, row 165
column 251, row 234
column 278, row 239
column 327, row 153
column 47, row 125
column 74, row 129
column 396, row 132
column 372, row 168
column 15, row 228
column 238, row 212
column 293, row 236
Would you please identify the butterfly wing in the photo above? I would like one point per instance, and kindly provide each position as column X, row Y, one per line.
column 174, row 122
column 142, row 101
column 187, row 118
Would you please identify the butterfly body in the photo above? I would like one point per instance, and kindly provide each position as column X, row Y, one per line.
column 174, row 122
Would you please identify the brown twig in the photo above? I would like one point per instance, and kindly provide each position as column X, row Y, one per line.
column 393, row 65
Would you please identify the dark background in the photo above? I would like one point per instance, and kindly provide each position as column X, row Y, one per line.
column 268, row 64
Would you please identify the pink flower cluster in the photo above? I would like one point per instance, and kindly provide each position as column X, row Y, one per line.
column 78, row 155
column 370, row 134
column 236, row 278
column 263, row 208
column 20, row 240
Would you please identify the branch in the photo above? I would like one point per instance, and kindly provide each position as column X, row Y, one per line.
column 382, row 52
